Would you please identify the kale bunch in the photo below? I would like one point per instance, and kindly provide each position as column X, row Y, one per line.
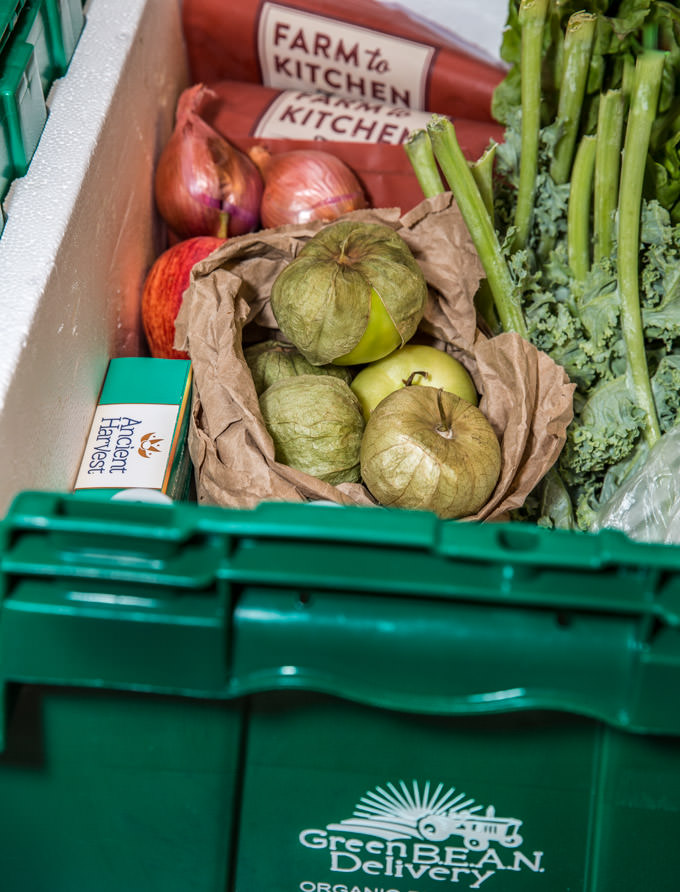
column 577, row 225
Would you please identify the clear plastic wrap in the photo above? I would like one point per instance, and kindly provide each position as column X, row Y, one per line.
column 647, row 506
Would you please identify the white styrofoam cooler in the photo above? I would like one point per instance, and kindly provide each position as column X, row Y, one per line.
column 81, row 229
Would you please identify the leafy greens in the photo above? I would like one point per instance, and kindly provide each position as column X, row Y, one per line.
column 583, row 257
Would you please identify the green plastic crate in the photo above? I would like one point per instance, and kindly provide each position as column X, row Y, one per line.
column 51, row 27
column 37, row 42
column 6, row 161
column 10, row 11
column 305, row 698
column 22, row 104
column 66, row 20
column 32, row 28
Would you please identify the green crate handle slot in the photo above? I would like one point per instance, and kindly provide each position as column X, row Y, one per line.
column 392, row 608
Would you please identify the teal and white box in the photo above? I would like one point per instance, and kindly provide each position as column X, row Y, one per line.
column 138, row 436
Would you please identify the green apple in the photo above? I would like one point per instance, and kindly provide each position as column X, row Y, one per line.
column 380, row 337
column 412, row 364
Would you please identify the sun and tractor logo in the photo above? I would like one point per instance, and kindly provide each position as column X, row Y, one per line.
column 416, row 834
column 434, row 815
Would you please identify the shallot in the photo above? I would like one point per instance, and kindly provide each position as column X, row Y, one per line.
column 203, row 184
column 303, row 185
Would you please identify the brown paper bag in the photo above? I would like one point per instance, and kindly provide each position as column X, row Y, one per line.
column 525, row 395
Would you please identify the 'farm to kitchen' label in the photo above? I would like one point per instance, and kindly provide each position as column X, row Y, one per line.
column 324, row 116
column 302, row 51
column 402, row 839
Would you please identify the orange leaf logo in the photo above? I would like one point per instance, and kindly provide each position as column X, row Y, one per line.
column 148, row 444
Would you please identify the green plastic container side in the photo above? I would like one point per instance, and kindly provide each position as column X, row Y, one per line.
column 298, row 791
column 6, row 162
column 107, row 791
column 32, row 28
column 65, row 20
column 298, row 698
column 23, row 103
column 407, row 614
column 9, row 15
column 340, row 796
column 73, row 15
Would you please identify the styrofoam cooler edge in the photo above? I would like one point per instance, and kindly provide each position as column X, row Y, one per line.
column 79, row 238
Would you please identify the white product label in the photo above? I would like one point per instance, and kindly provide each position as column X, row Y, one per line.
column 302, row 51
column 323, row 116
column 412, row 833
column 129, row 445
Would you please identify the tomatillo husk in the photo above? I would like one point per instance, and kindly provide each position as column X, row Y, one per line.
column 316, row 424
column 351, row 273
column 427, row 449
column 270, row 361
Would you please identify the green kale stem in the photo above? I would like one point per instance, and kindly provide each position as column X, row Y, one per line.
column 458, row 175
column 419, row 152
column 607, row 170
column 532, row 16
column 644, row 100
column 578, row 211
column 650, row 36
column 628, row 77
column 578, row 44
column 418, row 148
column 482, row 171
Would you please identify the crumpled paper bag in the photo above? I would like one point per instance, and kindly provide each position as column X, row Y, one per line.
column 525, row 395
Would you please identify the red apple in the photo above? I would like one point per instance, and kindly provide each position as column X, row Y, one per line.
column 166, row 282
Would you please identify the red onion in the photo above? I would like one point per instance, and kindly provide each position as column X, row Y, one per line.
column 203, row 184
column 305, row 185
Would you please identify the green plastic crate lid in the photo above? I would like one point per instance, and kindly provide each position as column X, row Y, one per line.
column 391, row 608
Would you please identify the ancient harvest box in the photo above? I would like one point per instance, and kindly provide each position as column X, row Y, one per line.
column 137, row 439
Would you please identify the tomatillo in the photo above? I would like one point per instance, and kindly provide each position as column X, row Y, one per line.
column 353, row 294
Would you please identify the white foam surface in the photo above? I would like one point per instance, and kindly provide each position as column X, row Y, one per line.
column 79, row 236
